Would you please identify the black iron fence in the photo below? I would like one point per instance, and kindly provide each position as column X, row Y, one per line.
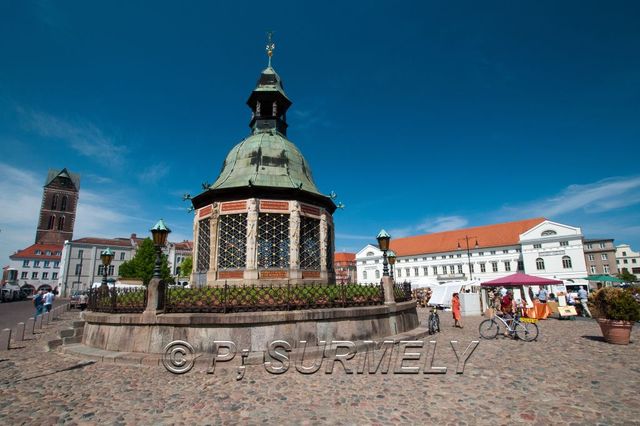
column 402, row 292
column 272, row 298
column 117, row 300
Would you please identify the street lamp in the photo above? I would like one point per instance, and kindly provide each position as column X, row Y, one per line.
column 383, row 243
column 159, row 233
column 466, row 238
column 106, row 256
column 391, row 255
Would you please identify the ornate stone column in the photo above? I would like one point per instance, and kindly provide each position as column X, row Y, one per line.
column 294, row 241
column 213, row 243
column 251, row 268
column 324, row 232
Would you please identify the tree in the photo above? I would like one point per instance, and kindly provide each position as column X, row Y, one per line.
column 627, row 276
column 186, row 267
column 142, row 264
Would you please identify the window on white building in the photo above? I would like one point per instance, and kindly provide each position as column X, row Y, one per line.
column 122, row 255
column 415, row 272
column 603, row 256
column 399, row 272
column 483, row 267
column 56, row 264
column 564, row 243
column 494, row 266
column 520, row 265
column 566, row 262
column 23, row 274
column 54, row 276
column 36, row 263
column 25, row 263
column 407, row 272
column 45, row 275
column 364, row 275
column 377, row 274
column 537, row 246
column 633, row 261
column 481, row 253
column 589, row 246
column 435, row 270
column 472, row 268
column 79, row 269
column 606, row 269
column 425, row 269
column 540, row 264
column 34, row 275
column 460, row 269
column 80, row 253
column 452, row 269
column 493, row 252
column 46, row 263
column 507, row 266
column 505, row 251
column 444, row 269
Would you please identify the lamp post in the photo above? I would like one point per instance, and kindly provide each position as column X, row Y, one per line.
column 391, row 255
column 159, row 233
column 383, row 243
column 466, row 238
column 105, row 256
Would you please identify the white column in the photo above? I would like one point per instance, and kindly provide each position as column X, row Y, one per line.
column 323, row 245
column 213, row 243
column 251, row 268
column 294, row 241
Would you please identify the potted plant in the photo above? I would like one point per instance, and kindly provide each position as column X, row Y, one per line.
column 615, row 310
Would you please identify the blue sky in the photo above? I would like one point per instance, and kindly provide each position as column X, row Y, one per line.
column 421, row 116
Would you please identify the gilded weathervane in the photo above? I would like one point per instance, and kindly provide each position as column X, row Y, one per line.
column 270, row 46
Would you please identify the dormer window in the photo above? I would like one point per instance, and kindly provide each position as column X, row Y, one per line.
column 38, row 252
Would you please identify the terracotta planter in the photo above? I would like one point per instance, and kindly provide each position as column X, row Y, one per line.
column 616, row 332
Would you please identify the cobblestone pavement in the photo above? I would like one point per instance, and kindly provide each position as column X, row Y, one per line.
column 568, row 376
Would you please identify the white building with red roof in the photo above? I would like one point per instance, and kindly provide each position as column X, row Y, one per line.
column 482, row 253
column 37, row 266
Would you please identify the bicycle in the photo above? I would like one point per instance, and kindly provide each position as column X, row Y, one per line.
column 523, row 330
column 433, row 323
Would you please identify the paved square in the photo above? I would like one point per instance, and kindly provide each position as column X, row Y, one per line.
column 568, row 376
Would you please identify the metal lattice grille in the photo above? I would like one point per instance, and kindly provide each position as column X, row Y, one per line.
column 273, row 240
column 309, row 243
column 232, row 241
column 204, row 245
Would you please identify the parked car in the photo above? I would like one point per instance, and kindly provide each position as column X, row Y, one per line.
column 74, row 302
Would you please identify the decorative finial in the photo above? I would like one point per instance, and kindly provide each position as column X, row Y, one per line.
column 270, row 46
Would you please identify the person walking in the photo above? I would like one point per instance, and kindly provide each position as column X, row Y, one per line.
column 48, row 301
column 455, row 309
column 542, row 295
column 38, row 302
column 584, row 297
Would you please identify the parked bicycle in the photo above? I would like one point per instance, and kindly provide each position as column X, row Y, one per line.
column 433, row 323
column 522, row 328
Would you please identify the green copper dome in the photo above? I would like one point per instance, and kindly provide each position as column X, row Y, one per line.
column 266, row 159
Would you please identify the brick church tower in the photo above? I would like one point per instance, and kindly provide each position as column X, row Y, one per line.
column 58, row 209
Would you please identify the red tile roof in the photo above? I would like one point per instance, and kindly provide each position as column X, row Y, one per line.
column 344, row 257
column 104, row 242
column 185, row 245
column 501, row 234
column 30, row 252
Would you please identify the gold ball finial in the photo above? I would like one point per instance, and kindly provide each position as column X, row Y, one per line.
column 270, row 45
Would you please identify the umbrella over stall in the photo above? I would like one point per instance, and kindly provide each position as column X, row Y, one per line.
column 603, row 278
column 519, row 279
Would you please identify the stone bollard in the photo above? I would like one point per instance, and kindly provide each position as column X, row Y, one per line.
column 29, row 329
column 20, row 332
column 5, row 339
column 45, row 319
column 38, row 325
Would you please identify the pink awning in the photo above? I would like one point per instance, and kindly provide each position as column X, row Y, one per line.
column 519, row 279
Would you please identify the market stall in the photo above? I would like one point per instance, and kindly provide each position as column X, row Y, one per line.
column 469, row 296
column 524, row 288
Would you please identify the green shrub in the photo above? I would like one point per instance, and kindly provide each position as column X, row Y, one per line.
column 614, row 304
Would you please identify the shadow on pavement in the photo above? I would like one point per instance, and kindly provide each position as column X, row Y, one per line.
column 594, row 338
